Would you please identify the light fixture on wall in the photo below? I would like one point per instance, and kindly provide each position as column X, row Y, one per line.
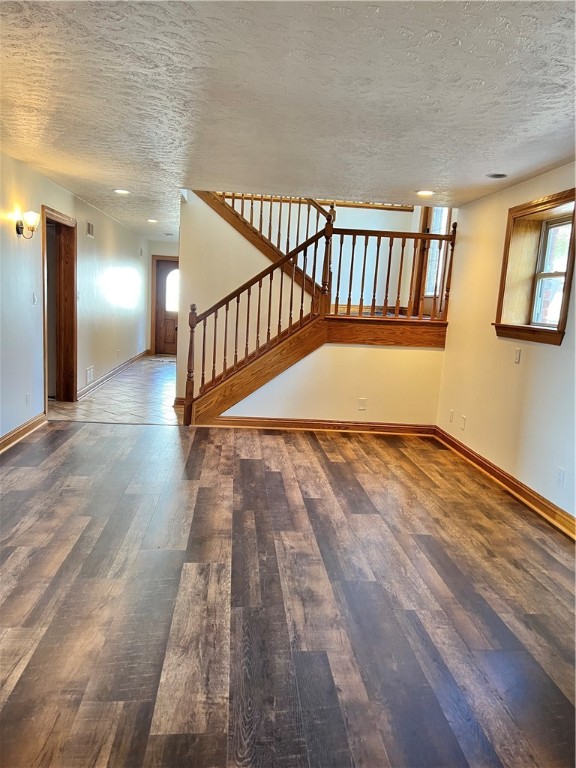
column 28, row 222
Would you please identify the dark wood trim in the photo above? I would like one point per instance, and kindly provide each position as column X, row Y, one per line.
column 546, row 509
column 397, row 235
column 66, row 321
column 114, row 372
column 324, row 425
column 522, row 331
column 179, row 402
column 13, row 437
column 385, row 331
column 154, row 261
column 529, row 333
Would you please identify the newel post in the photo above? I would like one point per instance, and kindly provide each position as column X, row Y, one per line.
column 449, row 275
column 327, row 268
column 189, row 399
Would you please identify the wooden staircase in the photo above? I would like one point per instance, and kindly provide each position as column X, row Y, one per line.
column 337, row 285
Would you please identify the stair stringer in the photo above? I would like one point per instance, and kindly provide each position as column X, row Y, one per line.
column 208, row 406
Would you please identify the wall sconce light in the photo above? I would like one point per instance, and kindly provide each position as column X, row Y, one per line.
column 29, row 221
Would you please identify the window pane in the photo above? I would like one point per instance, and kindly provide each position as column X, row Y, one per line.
column 172, row 291
column 548, row 301
column 439, row 221
column 557, row 245
column 433, row 272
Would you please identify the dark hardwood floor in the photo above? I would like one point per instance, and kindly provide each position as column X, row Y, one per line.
column 178, row 598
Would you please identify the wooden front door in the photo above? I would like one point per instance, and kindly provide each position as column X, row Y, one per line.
column 166, row 309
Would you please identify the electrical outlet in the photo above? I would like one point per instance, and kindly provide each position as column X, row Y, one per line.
column 90, row 374
column 361, row 403
column 27, row 398
column 451, row 416
column 517, row 355
column 34, row 298
column 462, row 423
column 560, row 477
column 118, row 353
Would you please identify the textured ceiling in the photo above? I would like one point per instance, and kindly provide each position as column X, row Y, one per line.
column 368, row 101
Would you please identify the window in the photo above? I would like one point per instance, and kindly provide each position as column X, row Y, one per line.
column 439, row 225
column 551, row 272
column 172, row 291
column 537, row 270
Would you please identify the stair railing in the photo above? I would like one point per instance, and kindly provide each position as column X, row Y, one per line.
column 391, row 274
column 257, row 316
column 283, row 221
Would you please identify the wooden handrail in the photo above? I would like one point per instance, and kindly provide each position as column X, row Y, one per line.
column 390, row 233
column 261, row 275
column 318, row 207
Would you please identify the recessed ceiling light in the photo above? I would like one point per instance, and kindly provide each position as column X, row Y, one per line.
column 425, row 192
column 168, row 234
column 122, row 191
column 497, row 175
column 152, row 221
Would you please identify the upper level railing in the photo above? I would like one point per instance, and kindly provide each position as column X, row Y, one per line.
column 392, row 276
column 282, row 221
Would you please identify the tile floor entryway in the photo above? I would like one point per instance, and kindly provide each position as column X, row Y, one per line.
column 143, row 393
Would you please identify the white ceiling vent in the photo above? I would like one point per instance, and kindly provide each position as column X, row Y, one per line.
column 89, row 229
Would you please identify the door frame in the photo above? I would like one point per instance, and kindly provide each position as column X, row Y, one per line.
column 66, row 323
column 155, row 260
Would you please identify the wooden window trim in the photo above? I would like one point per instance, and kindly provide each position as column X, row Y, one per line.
column 525, row 331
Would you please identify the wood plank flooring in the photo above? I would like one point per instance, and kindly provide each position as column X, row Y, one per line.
column 219, row 598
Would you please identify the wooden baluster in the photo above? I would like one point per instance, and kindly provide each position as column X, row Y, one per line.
column 258, row 316
column 298, row 223
column 314, row 281
column 242, row 206
column 236, row 332
column 261, row 214
column 293, row 260
column 349, row 305
column 440, row 261
column 376, row 266
column 401, row 268
column 269, row 309
column 270, row 221
column 247, row 321
column 388, row 270
column 425, row 265
column 413, row 278
column 280, row 302
column 325, row 299
column 361, row 306
column 189, row 398
column 449, row 273
column 339, row 275
column 289, row 223
column 317, row 221
column 233, row 203
column 303, row 286
column 203, row 379
column 278, row 240
column 251, row 209
column 225, row 364
column 214, row 345
column 308, row 206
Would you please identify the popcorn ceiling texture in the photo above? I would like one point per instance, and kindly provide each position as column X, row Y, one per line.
column 352, row 100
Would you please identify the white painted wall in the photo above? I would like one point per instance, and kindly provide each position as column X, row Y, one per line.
column 520, row 417
column 163, row 248
column 113, row 280
column 400, row 386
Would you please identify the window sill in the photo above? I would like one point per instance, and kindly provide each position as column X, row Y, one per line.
column 529, row 333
